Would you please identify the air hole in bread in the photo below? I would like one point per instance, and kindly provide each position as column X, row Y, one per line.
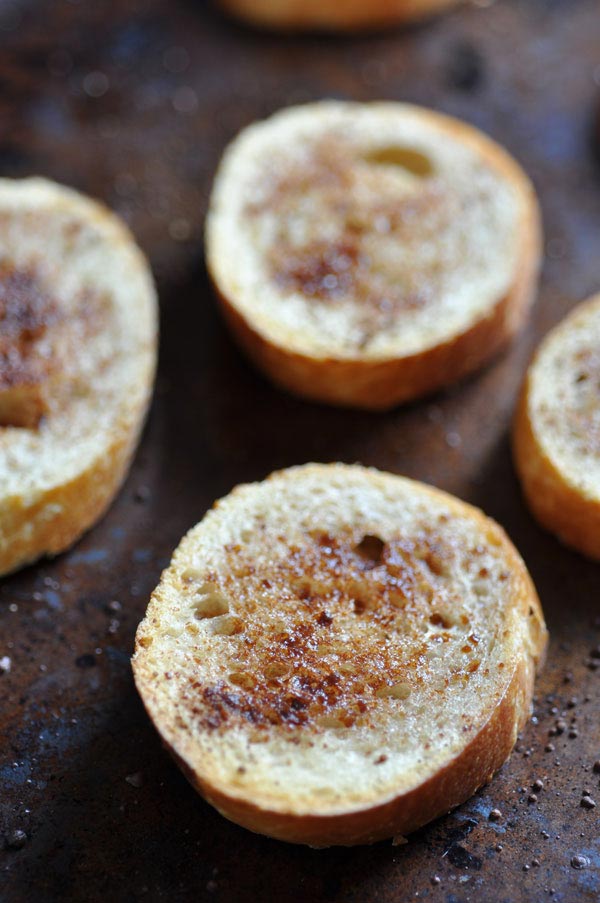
column 227, row 625
column 581, row 377
column 192, row 575
column 439, row 620
column 275, row 670
column 240, row 679
column 330, row 721
column 209, row 602
column 173, row 632
column 413, row 161
column 436, row 563
column 370, row 549
column 395, row 691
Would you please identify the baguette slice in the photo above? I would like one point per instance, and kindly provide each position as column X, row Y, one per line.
column 332, row 15
column 556, row 434
column 78, row 324
column 337, row 655
column 368, row 254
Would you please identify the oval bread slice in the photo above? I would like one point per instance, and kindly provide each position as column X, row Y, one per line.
column 368, row 254
column 78, row 324
column 337, row 655
column 332, row 15
column 556, row 435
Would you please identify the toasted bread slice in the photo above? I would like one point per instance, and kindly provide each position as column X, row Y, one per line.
column 337, row 655
column 332, row 15
column 78, row 324
column 556, row 434
column 368, row 254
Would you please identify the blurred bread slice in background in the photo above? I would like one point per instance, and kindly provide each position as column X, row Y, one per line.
column 332, row 15
column 556, row 434
column 78, row 333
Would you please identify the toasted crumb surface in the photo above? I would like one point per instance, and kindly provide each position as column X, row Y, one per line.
column 76, row 275
column 365, row 230
column 333, row 638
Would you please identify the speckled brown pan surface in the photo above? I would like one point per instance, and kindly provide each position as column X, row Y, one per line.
column 133, row 102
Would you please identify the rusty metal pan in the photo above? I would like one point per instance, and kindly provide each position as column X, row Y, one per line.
column 133, row 101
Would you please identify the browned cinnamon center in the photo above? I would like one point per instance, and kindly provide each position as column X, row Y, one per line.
column 342, row 218
column 27, row 312
column 339, row 624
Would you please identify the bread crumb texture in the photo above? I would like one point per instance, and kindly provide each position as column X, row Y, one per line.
column 77, row 358
column 557, row 430
column 366, row 230
column 328, row 640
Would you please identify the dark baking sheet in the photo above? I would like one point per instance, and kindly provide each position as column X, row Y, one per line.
column 133, row 101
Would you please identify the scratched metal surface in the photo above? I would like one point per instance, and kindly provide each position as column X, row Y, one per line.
column 133, row 101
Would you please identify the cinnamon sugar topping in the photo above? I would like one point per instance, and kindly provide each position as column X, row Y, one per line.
column 26, row 315
column 345, row 625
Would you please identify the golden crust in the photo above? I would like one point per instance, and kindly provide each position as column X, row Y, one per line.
column 474, row 765
column 332, row 15
column 60, row 515
column 380, row 385
column 22, row 405
column 363, row 381
column 556, row 504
